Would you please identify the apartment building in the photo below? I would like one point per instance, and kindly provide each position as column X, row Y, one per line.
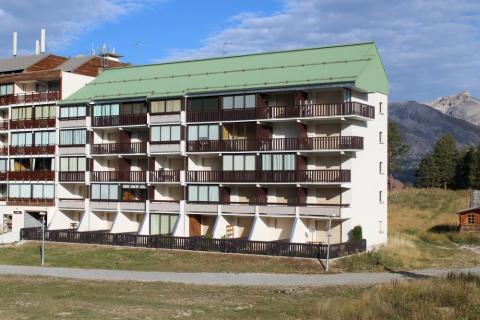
column 30, row 87
column 280, row 146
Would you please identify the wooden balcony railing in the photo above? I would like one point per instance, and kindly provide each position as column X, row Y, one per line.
column 106, row 176
column 32, row 123
column 294, row 201
column 71, row 176
column 165, row 176
column 120, row 120
column 276, row 144
column 32, row 150
column 3, row 176
column 253, row 176
column 109, row 148
column 4, row 125
column 30, row 97
column 3, row 151
column 280, row 112
column 30, row 202
column 31, row 176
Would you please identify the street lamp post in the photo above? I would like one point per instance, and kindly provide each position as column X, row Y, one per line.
column 42, row 215
column 329, row 234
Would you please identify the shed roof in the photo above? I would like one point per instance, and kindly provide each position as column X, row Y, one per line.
column 356, row 64
column 474, row 209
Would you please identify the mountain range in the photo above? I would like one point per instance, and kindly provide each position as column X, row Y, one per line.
column 421, row 124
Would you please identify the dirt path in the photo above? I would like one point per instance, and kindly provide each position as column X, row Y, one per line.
column 231, row 279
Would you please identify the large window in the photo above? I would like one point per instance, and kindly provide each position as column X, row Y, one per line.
column 73, row 112
column 203, row 193
column 239, row 102
column 44, row 138
column 73, row 137
column 238, row 162
column 45, row 112
column 105, row 191
column 3, row 165
column 278, row 161
column 166, row 106
column 165, row 133
column 22, row 113
column 203, row 132
column 33, row 191
column 203, row 104
column 162, row 223
column 6, row 89
column 21, row 139
column 73, row 164
column 105, row 110
column 133, row 192
column 133, row 108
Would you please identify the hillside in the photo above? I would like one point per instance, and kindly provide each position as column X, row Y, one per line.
column 421, row 126
column 461, row 106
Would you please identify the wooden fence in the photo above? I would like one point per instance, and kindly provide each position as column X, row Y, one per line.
column 268, row 248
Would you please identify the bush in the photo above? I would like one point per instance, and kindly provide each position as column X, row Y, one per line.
column 357, row 233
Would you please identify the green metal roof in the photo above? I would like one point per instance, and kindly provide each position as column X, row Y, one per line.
column 358, row 64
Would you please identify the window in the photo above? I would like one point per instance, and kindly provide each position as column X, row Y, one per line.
column 45, row 112
column 239, row 102
column 33, row 191
column 6, row 89
column 238, row 162
column 471, row 219
column 73, row 112
column 105, row 192
column 22, row 113
column 3, row 165
column 380, row 196
column 278, row 161
column 166, row 106
column 133, row 108
column 165, row 133
column 21, row 139
column 380, row 109
column 162, row 223
column 134, row 192
column 203, row 193
column 203, row 132
column 73, row 164
column 44, row 138
column 106, row 110
column 73, row 137
column 203, row 104
column 380, row 137
column 380, row 167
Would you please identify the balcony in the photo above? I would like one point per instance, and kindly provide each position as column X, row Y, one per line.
column 3, row 151
column 165, row 176
column 34, row 97
column 120, row 120
column 274, row 176
column 32, row 123
column 128, row 176
column 277, row 144
column 31, row 176
column 30, row 202
column 119, row 148
column 281, row 112
column 32, row 150
column 72, row 176
column 71, row 204
column 4, row 125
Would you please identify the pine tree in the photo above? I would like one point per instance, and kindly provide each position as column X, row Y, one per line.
column 465, row 167
column 427, row 174
column 445, row 156
column 474, row 175
column 397, row 149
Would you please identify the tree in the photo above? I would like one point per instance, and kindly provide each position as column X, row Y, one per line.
column 445, row 155
column 474, row 175
column 397, row 149
column 464, row 176
column 427, row 174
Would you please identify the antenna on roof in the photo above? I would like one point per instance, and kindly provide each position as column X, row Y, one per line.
column 42, row 41
column 14, row 44
column 37, row 47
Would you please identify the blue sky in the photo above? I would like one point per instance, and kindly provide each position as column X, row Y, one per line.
column 430, row 48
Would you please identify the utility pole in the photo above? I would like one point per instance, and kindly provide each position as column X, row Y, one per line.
column 329, row 234
column 43, row 214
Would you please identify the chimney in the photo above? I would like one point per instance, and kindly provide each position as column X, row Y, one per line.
column 37, row 47
column 14, row 44
column 42, row 41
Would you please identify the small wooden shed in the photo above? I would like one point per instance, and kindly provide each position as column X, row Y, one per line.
column 469, row 219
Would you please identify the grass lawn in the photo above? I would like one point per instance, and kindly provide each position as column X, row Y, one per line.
column 47, row 298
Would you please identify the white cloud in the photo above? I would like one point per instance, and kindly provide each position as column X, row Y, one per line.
column 65, row 20
column 429, row 47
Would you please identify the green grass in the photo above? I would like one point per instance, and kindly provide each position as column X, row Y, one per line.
column 45, row 298
column 105, row 257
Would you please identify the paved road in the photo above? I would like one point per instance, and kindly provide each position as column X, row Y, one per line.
column 230, row 279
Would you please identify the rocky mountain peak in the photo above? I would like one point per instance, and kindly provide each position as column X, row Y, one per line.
column 461, row 106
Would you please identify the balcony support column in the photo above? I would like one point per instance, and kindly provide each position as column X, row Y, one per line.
column 300, row 232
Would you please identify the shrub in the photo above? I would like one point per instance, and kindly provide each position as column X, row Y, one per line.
column 357, row 233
